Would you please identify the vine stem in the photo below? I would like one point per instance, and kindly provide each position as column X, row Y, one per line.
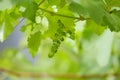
column 41, row 2
column 50, row 12
column 66, row 76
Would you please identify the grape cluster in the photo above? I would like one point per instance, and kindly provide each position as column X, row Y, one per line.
column 58, row 38
column 71, row 33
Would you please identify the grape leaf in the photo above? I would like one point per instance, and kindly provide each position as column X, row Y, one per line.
column 95, row 27
column 100, row 16
column 58, row 3
column 30, row 8
column 34, row 42
column 62, row 3
column 30, row 11
column 116, row 12
column 8, row 20
column 113, row 3
column 112, row 21
column 89, row 7
column 77, row 8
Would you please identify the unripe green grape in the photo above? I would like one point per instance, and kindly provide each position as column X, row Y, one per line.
column 56, row 44
column 50, row 55
column 72, row 36
column 71, row 33
column 58, row 41
column 58, row 38
column 54, row 49
column 62, row 39
column 63, row 33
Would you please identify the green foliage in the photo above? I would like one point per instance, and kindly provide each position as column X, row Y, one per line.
column 30, row 8
column 56, row 19
column 77, row 8
column 111, row 20
column 87, row 8
column 7, row 23
column 97, row 11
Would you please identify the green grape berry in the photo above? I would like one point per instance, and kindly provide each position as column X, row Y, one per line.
column 54, row 49
column 62, row 39
column 50, row 55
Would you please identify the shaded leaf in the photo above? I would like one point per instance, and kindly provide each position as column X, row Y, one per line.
column 112, row 21
column 88, row 8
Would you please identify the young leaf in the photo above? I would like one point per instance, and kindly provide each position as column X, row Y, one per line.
column 34, row 42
